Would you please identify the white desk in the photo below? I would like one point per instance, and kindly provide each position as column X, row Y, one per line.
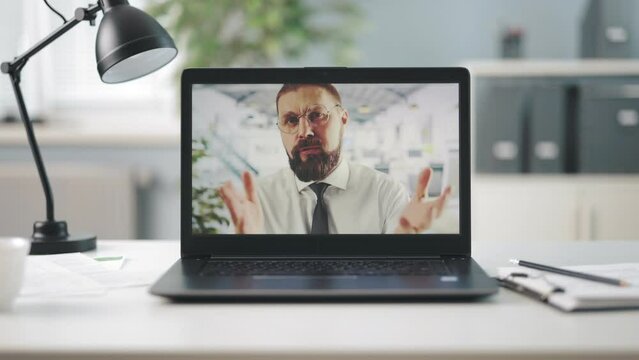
column 132, row 324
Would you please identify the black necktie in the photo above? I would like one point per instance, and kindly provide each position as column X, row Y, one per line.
column 320, row 217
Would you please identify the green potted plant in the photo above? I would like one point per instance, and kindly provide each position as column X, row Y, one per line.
column 206, row 217
column 259, row 32
column 220, row 33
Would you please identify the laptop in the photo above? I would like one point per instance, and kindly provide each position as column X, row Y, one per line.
column 325, row 183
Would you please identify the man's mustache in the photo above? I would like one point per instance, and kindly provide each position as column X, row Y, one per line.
column 305, row 143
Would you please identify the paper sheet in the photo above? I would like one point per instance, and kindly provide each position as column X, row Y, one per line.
column 43, row 277
column 74, row 274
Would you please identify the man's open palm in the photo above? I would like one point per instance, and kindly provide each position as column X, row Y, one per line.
column 245, row 208
column 418, row 214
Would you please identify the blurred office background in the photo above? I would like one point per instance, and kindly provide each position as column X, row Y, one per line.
column 555, row 101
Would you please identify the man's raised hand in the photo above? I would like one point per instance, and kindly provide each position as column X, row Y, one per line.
column 418, row 214
column 245, row 208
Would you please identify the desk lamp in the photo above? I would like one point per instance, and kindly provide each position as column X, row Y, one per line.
column 129, row 45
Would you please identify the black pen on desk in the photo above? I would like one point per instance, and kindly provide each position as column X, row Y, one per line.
column 580, row 275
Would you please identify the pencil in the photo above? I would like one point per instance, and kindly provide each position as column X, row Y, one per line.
column 577, row 274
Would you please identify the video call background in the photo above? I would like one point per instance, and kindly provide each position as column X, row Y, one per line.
column 397, row 129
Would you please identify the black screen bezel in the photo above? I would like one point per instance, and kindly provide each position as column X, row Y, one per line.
column 318, row 245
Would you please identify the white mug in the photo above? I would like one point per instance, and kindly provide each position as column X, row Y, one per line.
column 13, row 255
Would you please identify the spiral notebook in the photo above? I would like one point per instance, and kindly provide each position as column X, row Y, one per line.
column 571, row 294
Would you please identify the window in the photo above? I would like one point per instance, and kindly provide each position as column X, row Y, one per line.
column 62, row 83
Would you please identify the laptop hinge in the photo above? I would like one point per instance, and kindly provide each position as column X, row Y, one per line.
column 317, row 257
column 210, row 256
column 197, row 256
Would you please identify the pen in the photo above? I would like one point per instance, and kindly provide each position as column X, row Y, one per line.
column 580, row 275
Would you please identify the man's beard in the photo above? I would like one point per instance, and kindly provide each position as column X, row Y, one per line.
column 317, row 166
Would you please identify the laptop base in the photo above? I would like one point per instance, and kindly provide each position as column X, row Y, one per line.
column 184, row 282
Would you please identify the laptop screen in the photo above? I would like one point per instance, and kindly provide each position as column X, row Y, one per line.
column 322, row 158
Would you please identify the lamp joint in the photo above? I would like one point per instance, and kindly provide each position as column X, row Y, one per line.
column 82, row 14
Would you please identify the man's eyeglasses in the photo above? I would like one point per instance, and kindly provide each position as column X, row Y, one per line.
column 317, row 115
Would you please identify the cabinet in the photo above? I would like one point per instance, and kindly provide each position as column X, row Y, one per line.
column 94, row 199
column 609, row 210
column 555, row 117
column 538, row 207
column 561, row 163
column 608, row 129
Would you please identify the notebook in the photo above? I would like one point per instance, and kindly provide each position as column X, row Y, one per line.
column 569, row 293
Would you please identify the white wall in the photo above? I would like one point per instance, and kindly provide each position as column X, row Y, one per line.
column 447, row 32
column 11, row 20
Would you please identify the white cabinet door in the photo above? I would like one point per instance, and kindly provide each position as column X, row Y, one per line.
column 524, row 208
column 535, row 207
column 98, row 200
column 610, row 209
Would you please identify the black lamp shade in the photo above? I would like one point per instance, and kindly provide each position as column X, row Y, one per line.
column 131, row 44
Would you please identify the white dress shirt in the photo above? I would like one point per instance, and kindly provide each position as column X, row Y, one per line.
column 359, row 200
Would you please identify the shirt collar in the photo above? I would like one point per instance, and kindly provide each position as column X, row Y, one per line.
column 338, row 178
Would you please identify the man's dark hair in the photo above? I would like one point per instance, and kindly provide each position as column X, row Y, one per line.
column 286, row 88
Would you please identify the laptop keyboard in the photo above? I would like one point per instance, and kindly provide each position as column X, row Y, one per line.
column 325, row 267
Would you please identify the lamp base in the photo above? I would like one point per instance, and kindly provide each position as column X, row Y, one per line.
column 52, row 237
column 68, row 245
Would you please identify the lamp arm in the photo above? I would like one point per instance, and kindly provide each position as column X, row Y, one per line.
column 80, row 15
column 14, row 68
column 33, row 144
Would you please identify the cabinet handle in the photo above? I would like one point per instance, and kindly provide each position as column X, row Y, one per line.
column 616, row 34
column 585, row 220
column 593, row 223
column 546, row 150
column 505, row 150
column 627, row 117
